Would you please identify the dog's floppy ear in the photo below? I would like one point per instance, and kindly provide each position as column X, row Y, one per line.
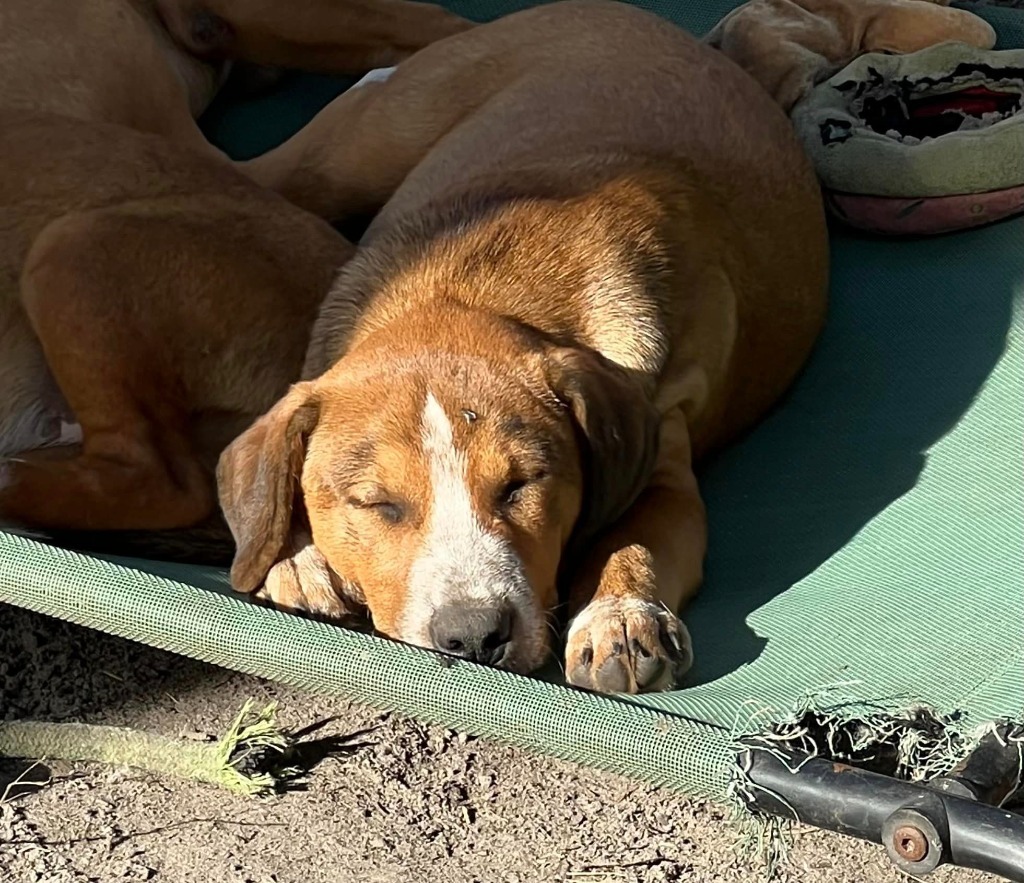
column 618, row 430
column 257, row 480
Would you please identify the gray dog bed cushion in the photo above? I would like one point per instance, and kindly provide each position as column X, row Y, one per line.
column 944, row 121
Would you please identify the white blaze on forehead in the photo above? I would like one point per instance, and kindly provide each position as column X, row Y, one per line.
column 438, row 439
column 459, row 561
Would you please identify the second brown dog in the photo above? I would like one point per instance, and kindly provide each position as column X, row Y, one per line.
column 153, row 300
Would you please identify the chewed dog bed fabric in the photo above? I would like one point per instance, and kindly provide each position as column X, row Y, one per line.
column 921, row 143
column 869, row 534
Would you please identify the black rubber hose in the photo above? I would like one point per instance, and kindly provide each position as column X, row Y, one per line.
column 921, row 828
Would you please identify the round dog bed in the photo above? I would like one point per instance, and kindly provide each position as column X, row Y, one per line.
column 927, row 142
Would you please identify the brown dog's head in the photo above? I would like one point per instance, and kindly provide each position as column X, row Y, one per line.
column 444, row 482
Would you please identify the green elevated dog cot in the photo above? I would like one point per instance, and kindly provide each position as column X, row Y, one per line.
column 867, row 550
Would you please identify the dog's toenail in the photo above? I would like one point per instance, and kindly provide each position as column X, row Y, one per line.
column 639, row 649
column 649, row 671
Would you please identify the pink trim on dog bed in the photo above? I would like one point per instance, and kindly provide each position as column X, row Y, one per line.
column 916, row 216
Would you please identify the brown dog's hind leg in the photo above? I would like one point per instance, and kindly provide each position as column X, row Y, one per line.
column 334, row 166
column 136, row 468
column 626, row 637
column 353, row 155
column 119, row 481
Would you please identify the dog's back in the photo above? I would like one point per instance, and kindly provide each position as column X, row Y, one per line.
column 618, row 114
column 83, row 170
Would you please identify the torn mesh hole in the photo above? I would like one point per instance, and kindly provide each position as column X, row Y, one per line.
column 915, row 109
column 916, row 745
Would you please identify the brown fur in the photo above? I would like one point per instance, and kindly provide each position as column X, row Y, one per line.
column 149, row 292
column 606, row 255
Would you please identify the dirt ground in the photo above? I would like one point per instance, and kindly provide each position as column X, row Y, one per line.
column 390, row 801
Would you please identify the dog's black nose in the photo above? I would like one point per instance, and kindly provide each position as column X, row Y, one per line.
column 480, row 634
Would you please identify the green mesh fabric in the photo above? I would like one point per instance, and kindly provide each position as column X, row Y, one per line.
column 870, row 533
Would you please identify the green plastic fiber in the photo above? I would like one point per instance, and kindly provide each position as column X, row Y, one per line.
column 241, row 762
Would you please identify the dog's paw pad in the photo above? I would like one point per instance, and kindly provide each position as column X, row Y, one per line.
column 627, row 645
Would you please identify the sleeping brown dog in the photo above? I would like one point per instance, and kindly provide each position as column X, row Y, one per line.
column 606, row 256
column 153, row 300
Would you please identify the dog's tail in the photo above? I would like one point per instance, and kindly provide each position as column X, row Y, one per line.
column 209, row 543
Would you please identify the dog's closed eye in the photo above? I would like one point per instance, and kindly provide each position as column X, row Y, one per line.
column 390, row 510
column 512, row 492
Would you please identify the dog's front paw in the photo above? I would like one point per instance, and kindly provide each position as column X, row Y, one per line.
column 305, row 584
column 627, row 645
